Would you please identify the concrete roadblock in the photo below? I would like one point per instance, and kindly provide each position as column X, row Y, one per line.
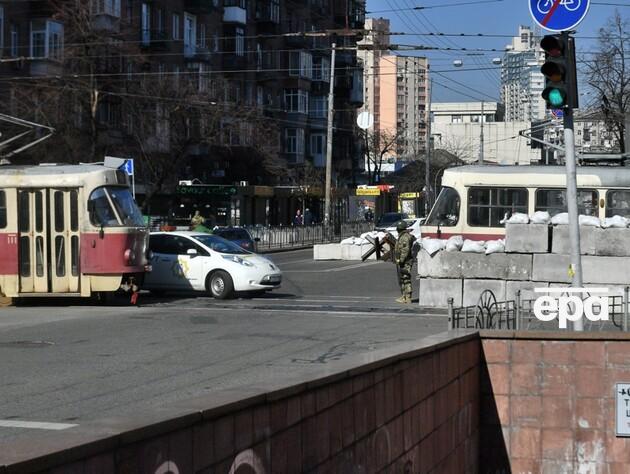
column 525, row 287
column 434, row 292
column 593, row 241
column 474, row 288
column 475, row 266
column 595, row 269
column 327, row 252
column 527, row 238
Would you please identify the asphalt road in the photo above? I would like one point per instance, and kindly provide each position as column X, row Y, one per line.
column 71, row 362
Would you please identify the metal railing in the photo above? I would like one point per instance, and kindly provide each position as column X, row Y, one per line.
column 518, row 314
column 282, row 237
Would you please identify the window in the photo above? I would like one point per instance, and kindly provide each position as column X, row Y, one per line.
column 159, row 21
column 554, row 201
column 301, row 64
column 321, row 69
column 318, row 107
column 175, row 29
column 617, row 203
column 104, row 200
column 14, row 40
column 146, row 24
column 294, row 141
column 106, row 7
column 3, row 210
column 46, row 39
column 296, row 100
column 457, row 119
column 201, row 38
column 219, row 244
column 239, row 45
column 190, row 34
column 318, row 148
column 173, row 245
column 445, row 212
column 487, row 207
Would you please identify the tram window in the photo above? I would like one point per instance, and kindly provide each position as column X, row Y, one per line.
column 126, row 206
column 618, row 203
column 39, row 213
column 25, row 256
column 59, row 227
column 487, row 207
column 39, row 256
column 101, row 213
column 74, row 255
column 24, row 223
column 445, row 212
column 60, row 255
column 3, row 210
column 554, row 201
column 74, row 211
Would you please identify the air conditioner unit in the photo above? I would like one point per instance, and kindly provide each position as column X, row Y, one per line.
column 185, row 183
column 243, row 183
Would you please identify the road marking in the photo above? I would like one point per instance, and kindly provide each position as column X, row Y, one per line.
column 339, row 269
column 35, row 425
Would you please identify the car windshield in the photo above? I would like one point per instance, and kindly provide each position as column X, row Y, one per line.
column 219, row 244
column 233, row 234
column 390, row 219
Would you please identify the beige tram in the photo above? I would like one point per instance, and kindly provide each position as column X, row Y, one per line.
column 476, row 199
column 69, row 230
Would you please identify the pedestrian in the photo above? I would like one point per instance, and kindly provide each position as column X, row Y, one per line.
column 196, row 220
column 403, row 257
column 308, row 217
column 298, row 219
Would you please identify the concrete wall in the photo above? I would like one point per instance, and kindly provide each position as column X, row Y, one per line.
column 413, row 410
column 547, row 403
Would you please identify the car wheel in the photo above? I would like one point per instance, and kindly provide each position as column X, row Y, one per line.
column 220, row 285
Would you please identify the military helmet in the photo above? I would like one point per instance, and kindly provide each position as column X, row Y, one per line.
column 401, row 225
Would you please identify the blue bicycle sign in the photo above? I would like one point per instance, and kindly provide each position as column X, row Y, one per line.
column 558, row 15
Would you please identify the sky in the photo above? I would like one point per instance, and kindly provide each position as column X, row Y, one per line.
column 501, row 17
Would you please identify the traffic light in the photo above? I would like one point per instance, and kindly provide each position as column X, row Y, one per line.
column 559, row 71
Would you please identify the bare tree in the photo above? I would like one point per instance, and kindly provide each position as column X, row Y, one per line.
column 379, row 146
column 609, row 75
column 459, row 147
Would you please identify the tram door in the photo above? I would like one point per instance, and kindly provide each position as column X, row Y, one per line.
column 48, row 225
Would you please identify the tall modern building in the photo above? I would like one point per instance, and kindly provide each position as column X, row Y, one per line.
column 522, row 82
column 396, row 92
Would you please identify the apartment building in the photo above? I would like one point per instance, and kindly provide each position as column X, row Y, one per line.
column 396, row 93
column 522, row 82
column 250, row 54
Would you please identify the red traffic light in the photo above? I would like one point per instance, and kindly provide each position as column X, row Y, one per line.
column 553, row 46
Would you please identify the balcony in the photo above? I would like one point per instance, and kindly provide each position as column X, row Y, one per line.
column 235, row 15
column 201, row 6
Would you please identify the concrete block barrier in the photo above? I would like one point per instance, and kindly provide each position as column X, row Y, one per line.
column 527, row 238
column 475, row 266
column 474, row 288
column 434, row 292
column 327, row 252
column 526, row 288
column 593, row 241
column 595, row 269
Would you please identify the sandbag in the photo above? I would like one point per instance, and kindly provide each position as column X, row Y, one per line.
column 454, row 243
column 473, row 246
column 618, row 222
column 540, row 217
column 591, row 221
column 432, row 246
column 518, row 218
column 494, row 246
column 560, row 219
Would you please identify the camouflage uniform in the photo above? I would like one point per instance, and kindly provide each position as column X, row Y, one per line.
column 404, row 259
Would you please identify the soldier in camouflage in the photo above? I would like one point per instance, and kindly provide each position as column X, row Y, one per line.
column 403, row 257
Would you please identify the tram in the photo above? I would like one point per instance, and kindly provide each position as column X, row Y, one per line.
column 476, row 200
column 69, row 230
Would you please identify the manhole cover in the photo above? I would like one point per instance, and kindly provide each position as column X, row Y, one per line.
column 27, row 344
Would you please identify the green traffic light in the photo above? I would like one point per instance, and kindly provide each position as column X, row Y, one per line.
column 556, row 98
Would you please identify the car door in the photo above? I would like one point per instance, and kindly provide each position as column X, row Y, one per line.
column 190, row 268
column 162, row 262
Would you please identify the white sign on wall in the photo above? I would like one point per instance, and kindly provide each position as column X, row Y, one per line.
column 622, row 405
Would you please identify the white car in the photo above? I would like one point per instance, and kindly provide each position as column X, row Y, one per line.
column 206, row 262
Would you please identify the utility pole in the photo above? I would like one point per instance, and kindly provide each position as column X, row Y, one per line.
column 481, row 136
column 329, row 138
column 427, row 161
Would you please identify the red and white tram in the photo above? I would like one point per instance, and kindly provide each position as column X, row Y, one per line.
column 69, row 230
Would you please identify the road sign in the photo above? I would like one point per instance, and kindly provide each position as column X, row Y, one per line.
column 365, row 120
column 557, row 113
column 558, row 15
column 128, row 167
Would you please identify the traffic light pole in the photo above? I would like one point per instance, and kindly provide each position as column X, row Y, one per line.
column 575, row 269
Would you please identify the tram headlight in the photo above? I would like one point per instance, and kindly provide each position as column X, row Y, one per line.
column 129, row 256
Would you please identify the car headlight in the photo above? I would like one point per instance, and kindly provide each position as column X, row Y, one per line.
column 237, row 259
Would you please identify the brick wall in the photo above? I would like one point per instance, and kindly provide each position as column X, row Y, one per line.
column 417, row 412
column 547, row 405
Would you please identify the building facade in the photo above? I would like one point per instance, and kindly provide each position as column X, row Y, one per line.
column 396, row 93
column 247, row 72
column 457, row 129
column 522, row 82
